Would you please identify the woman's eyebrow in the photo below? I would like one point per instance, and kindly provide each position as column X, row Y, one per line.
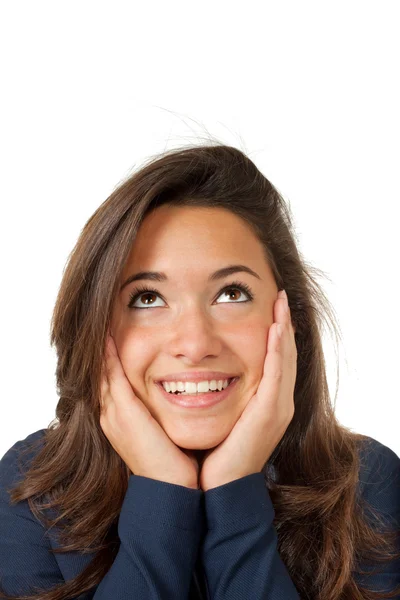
column 219, row 274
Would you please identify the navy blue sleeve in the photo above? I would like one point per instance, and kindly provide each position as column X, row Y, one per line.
column 380, row 488
column 160, row 525
column 159, row 528
column 239, row 551
column 240, row 554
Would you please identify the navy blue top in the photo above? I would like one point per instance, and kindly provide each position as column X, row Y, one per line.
column 178, row 543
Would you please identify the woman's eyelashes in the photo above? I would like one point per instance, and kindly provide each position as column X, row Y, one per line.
column 236, row 285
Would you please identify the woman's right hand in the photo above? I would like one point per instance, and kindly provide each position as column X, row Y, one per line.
column 135, row 435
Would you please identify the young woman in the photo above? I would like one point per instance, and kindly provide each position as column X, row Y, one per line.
column 196, row 452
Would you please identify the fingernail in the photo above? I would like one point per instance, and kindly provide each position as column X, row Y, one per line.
column 284, row 295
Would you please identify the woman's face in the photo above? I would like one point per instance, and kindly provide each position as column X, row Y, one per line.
column 192, row 324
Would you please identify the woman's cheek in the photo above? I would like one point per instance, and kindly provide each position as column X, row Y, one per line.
column 252, row 344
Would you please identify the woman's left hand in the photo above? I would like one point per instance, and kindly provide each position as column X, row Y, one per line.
column 267, row 415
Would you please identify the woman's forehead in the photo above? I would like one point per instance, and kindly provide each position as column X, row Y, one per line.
column 190, row 232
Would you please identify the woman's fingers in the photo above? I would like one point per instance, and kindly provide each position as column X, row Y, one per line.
column 134, row 434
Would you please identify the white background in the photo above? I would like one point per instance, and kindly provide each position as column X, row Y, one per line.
column 308, row 89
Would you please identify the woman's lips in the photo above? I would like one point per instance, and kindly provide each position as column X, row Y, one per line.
column 202, row 400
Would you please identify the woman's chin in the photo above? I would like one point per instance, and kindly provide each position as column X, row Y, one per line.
column 189, row 440
column 197, row 433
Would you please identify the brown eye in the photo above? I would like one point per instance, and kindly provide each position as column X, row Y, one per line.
column 238, row 287
column 232, row 291
column 144, row 291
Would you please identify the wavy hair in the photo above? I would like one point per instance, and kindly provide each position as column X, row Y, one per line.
column 321, row 524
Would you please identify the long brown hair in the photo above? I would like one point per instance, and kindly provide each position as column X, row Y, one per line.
column 321, row 524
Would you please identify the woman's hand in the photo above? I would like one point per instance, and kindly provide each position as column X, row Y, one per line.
column 135, row 435
column 266, row 417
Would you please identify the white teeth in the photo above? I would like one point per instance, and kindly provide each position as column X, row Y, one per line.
column 191, row 387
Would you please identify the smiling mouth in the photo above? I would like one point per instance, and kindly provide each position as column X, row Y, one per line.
column 199, row 400
column 178, row 393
